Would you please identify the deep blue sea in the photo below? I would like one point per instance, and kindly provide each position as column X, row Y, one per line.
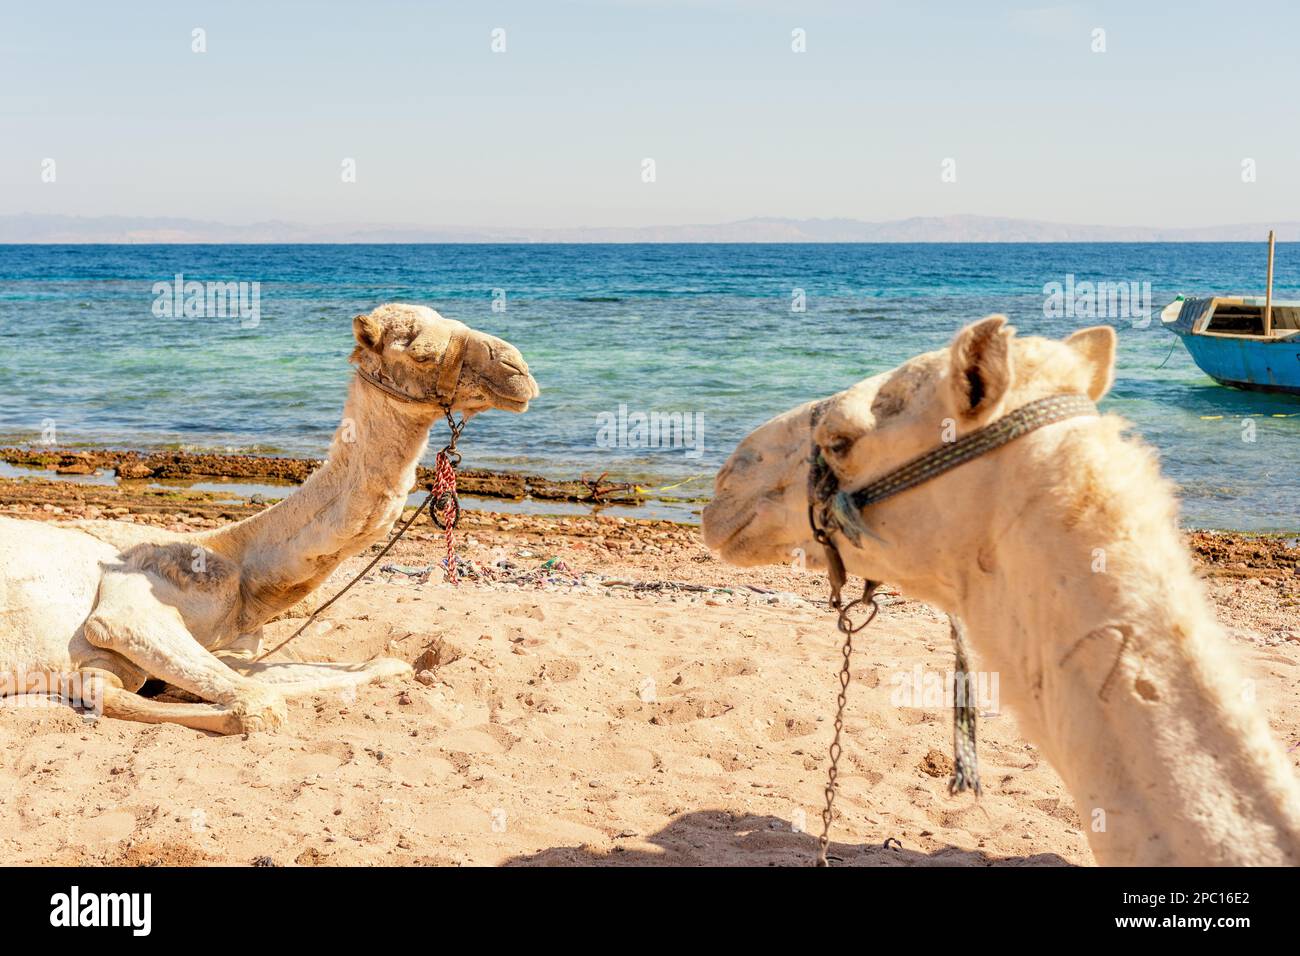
column 702, row 329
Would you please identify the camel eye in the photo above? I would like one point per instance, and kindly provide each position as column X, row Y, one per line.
column 839, row 446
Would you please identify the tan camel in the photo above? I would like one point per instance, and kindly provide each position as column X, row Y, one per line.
column 90, row 610
column 1062, row 554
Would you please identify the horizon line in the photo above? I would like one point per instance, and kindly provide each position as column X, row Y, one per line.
column 46, row 229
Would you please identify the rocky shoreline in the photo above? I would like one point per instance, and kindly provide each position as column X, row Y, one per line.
column 179, row 465
column 1227, row 554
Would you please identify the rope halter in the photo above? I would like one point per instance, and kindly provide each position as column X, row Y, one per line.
column 450, row 366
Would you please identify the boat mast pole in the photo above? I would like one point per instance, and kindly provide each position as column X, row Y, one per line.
column 1268, row 295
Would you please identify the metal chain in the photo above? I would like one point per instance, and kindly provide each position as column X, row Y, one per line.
column 845, row 625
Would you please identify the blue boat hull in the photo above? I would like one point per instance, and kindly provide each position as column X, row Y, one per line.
column 1242, row 363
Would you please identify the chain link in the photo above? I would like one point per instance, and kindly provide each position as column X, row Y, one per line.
column 845, row 625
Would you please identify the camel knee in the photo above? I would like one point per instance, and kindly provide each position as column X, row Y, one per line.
column 116, row 669
column 99, row 630
column 260, row 710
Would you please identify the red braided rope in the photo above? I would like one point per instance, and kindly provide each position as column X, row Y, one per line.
column 444, row 489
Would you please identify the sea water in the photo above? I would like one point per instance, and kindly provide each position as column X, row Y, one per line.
column 710, row 340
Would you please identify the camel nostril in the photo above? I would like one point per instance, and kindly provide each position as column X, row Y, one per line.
column 720, row 479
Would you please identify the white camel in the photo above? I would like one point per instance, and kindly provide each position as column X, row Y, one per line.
column 1061, row 552
column 92, row 609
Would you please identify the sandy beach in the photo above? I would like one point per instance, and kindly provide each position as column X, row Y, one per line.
column 636, row 702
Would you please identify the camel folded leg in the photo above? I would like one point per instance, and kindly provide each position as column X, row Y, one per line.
column 303, row 679
column 129, row 620
column 214, row 718
column 124, row 705
column 100, row 692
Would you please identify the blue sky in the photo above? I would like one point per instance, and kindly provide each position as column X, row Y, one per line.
column 553, row 131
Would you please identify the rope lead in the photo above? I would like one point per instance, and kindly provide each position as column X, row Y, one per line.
column 442, row 498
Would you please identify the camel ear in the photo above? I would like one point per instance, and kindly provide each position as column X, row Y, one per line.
column 980, row 372
column 368, row 332
column 1096, row 346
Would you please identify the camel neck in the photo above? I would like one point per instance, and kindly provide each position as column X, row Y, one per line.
column 374, row 454
column 1112, row 659
column 346, row 505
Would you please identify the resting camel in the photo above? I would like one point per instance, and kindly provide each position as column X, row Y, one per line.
column 1060, row 550
column 100, row 607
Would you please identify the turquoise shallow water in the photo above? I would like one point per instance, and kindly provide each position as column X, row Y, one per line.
column 700, row 329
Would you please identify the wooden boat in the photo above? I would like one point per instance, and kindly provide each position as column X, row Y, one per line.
column 1244, row 341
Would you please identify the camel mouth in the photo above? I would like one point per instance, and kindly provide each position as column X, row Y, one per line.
column 511, row 400
column 732, row 550
column 509, row 404
column 721, row 533
column 750, row 536
column 745, row 550
column 727, row 544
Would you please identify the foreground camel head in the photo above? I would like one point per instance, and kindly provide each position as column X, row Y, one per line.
column 759, row 513
column 1060, row 552
column 404, row 347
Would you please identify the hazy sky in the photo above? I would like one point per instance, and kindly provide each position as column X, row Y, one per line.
column 553, row 131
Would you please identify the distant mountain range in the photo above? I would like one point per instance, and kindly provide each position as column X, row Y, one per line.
column 28, row 228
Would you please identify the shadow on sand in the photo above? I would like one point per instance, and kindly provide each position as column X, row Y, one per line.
column 719, row 838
